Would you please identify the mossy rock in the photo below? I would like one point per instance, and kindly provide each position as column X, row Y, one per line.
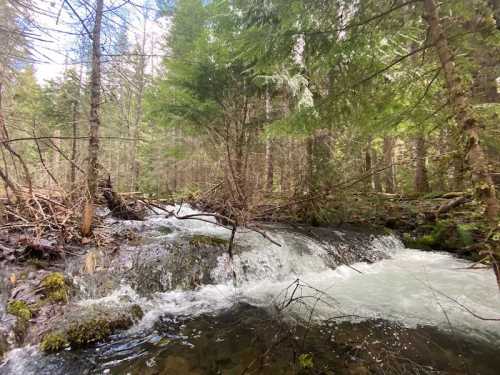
column 53, row 342
column 23, row 312
column 165, row 230
column 424, row 242
column 83, row 327
column 445, row 235
column 20, row 309
column 201, row 240
column 93, row 330
column 55, row 287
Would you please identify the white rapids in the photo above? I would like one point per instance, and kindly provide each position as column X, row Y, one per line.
column 412, row 287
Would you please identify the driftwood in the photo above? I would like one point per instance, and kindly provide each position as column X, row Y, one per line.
column 118, row 207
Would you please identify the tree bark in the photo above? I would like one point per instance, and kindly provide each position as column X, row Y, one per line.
column 9, row 184
column 376, row 180
column 269, row 149
column 389, row 183
column 310, row 164
column 463, row 113
column 94, row 120
column 140, row 83
column 74, row 146
column 368, row 164
column 74, row 131
column 458, row 172
column 421, row 180
column 4, row 138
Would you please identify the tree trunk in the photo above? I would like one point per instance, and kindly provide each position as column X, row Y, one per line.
column 310, row 164
column 4, row 175
column 4, row 137
column 74, row 145
column 94, row 121
column 376, row 180
column 138, row 111
column 269, row 149
column 495, row 5
column 368, row 165
column 421, row 181
column 389, row 165
column 74, row 132
column 56, row 156
column 458, row 172
column 482, row 182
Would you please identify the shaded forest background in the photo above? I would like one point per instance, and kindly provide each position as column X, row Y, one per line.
column 260, row 103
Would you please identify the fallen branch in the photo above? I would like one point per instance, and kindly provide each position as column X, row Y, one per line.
column 455, row 202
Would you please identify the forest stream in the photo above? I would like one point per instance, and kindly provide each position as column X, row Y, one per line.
column 325, row 301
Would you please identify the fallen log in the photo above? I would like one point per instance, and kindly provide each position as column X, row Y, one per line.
column 448, row 206
column 118, row 207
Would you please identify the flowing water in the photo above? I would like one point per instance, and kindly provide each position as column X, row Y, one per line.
column 304, row 296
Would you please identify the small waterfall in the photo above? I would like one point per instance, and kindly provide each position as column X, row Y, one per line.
column 345, row 273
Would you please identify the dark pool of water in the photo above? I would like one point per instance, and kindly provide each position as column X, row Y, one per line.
column 249, row 340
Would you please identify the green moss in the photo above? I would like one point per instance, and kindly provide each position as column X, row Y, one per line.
column 425, row 242
column 452, row 236
column 428, row 240
column 20, row 309
column 200, row 240
column 165, row 230
column 445, row 235
column 54, row 280
column 465, row 234
column 89, row 331
column 55, row 287
column 136, row 312
column 83, row 326
column 84, row 333
column 53, row 342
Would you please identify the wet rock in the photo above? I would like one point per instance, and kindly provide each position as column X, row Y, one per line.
column 185, row 264
column 33, row 298
column 4, row 345
column 350, row 246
